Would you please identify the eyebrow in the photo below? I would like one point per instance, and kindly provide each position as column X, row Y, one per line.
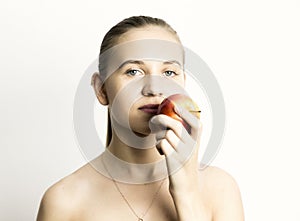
column 142, row 63
column 173, row 62
column 131, row 62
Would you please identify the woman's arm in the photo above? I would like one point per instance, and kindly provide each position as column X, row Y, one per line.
column 174, row 141
column 181, row 151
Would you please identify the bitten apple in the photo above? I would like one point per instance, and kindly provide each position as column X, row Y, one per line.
column 168, row 104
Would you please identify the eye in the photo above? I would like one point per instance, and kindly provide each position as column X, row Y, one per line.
column 133, row 72
column 169, row 73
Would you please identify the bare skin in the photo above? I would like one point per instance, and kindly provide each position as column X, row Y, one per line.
column 189, row 194
column 88, row 195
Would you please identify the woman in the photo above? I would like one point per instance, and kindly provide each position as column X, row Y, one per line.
column 132, row 90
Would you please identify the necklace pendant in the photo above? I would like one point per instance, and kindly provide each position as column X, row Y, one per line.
column 140, row 219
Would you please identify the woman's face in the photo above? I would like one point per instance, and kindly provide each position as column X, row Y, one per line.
column 139, row 82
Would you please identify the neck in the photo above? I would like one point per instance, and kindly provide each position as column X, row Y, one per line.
column 131, row 165
column 133, row 154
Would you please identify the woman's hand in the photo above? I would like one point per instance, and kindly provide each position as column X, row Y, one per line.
column 181, row 151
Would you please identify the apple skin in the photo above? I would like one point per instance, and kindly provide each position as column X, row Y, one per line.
column 167, row 107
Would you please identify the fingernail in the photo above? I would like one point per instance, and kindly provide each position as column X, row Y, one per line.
column 153, row 120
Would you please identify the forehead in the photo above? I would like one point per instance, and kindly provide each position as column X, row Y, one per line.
column 142, row 49
column 148, row 32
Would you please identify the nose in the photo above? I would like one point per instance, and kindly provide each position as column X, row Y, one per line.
column 152, row 86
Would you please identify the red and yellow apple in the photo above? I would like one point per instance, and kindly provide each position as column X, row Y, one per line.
column 183, row 101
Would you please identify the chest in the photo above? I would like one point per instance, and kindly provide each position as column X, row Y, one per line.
column 116, row 208
column 130, row 203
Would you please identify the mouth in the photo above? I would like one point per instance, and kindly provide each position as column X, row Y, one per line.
column 149, row 108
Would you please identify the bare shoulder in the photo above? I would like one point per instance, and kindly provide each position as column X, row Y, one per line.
column 217, row 177
column 61, row 200
column 224, row 194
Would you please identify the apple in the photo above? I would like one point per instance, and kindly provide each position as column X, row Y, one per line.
column 167, row 107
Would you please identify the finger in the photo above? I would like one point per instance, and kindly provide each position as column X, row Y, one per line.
column 164, row 147
column 155, row 128
column 160, row 134
column 170, row 136
column 167, row 122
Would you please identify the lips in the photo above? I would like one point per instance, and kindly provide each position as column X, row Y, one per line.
column 149, row 108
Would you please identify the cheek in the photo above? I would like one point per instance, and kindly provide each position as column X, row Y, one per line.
column 118, row 86
column 181, row 79
column 111, row 94
column 123, row 98
column 113, row 88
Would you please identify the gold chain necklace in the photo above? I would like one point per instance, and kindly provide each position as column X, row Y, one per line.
column 140, row 218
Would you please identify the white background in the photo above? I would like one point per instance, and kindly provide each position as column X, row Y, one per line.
column 251, row 46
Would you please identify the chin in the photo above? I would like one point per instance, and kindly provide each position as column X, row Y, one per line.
column 140, row 126
column 141, row 132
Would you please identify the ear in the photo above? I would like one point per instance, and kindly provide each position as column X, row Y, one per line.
column 99, row 88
